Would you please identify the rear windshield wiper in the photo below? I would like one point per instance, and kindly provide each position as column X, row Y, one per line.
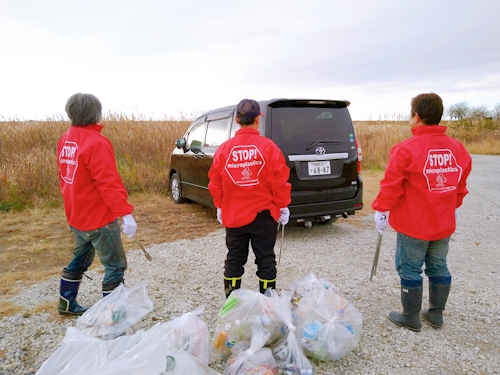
column 333, row 142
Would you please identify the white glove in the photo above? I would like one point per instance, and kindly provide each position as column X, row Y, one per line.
column 381, row 221
column 284, row 216
column 129, row 226
column 219, row 215
column 456, row 216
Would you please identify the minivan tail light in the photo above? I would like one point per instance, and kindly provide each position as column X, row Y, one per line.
column 360, row 157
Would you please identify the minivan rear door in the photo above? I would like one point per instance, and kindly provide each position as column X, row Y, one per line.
column 318, row 141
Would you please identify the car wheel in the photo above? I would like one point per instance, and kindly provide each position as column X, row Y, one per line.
column 175, row 188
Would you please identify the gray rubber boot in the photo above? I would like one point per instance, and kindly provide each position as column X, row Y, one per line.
column 411, row 299
column 68, row 290
column 438, row 295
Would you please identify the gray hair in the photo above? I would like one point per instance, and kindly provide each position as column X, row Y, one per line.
column 83, row 109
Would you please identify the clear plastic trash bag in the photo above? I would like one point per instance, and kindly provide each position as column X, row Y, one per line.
column 117, row 313
column 287, row 352
column 180, row 362
column 251, row 358
column 328, row 326
column 299, row 289
column 188, row 332
column 243, row 310
column 80, row 354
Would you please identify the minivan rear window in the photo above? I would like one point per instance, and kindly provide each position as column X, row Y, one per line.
column 293, row 126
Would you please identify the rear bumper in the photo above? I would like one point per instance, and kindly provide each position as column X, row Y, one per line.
column 332, row 208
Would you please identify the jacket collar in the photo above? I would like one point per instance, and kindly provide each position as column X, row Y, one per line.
column 95, row 127
column 247, row 131
column 429, row 129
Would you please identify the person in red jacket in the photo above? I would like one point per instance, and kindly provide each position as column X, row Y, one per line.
column 250, row 188
column 424, row 184
column 94, row 197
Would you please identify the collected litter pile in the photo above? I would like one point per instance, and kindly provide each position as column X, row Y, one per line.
column 254, row 334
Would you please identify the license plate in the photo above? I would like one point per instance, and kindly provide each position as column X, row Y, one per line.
column 318, row 167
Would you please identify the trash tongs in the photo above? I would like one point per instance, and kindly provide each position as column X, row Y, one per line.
column 375, row 259
column 148, row 257
column 282, row 237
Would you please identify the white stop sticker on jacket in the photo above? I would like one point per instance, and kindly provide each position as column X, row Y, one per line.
column 244, row 165
column 442, row 170
column 68, row 161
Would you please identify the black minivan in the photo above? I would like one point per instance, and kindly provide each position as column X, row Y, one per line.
column 317, row 139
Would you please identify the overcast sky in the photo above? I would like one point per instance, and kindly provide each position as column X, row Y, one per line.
column 163, row 58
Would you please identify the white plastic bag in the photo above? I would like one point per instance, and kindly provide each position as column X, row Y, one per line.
column 256, row 360
column 288, row 353
column 188, row 332
column 243, row 310
column 117, row 313
column 80, row 354
column 299, row 289
column 328, row 326
column 180, row 362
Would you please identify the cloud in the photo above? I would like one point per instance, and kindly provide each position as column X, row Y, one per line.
column 167, row 57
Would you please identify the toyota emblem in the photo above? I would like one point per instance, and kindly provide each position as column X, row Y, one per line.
column 320, row 151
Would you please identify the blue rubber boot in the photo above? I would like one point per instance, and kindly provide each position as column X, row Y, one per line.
column 107, row 288
column 70, row 283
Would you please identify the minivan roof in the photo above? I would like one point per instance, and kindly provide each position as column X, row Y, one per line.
column 279, row 102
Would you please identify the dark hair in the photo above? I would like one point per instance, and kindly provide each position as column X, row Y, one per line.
column 244, row 121
column 429, row 107
column 83, row 109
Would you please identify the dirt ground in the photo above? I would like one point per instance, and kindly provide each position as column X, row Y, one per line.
column 37, row 243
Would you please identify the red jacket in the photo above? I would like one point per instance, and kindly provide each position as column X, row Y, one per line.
column 248, row 175
column 425, row 181
column 92, row 189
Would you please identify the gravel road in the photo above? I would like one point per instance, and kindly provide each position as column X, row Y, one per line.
column 187, row 274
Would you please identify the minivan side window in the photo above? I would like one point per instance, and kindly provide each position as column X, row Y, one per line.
column 216, row 132
column 196, row 136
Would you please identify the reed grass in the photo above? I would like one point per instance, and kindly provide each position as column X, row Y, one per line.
column 28, row 160
column 28, row 157
column 378, row 137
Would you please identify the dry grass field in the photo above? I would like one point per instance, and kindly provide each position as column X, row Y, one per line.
column 35, row 240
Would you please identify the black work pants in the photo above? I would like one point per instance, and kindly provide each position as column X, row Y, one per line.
column 261, row 233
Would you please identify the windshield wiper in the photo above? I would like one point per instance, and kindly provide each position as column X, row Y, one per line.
column 333, row 142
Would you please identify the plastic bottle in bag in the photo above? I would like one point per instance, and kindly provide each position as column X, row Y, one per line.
column 231, row 302
column 220, row 341
column 310, row 332
column 234, row 334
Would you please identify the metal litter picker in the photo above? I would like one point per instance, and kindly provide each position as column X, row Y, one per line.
column 375, row 259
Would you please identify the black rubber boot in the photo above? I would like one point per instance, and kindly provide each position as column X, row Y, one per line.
column 230, row 284
column 68, row 290
column 411, row 299
column 438, row 295
column 265, row 284
column 107, row 288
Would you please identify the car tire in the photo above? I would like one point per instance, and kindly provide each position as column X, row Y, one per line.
column 175, row 188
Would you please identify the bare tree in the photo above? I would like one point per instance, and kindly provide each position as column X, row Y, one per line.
column 479, row 113
column 458, row 111
column 495, row 113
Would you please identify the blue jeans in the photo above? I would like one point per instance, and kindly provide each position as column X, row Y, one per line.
column 412, row 253
column 108, row 244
